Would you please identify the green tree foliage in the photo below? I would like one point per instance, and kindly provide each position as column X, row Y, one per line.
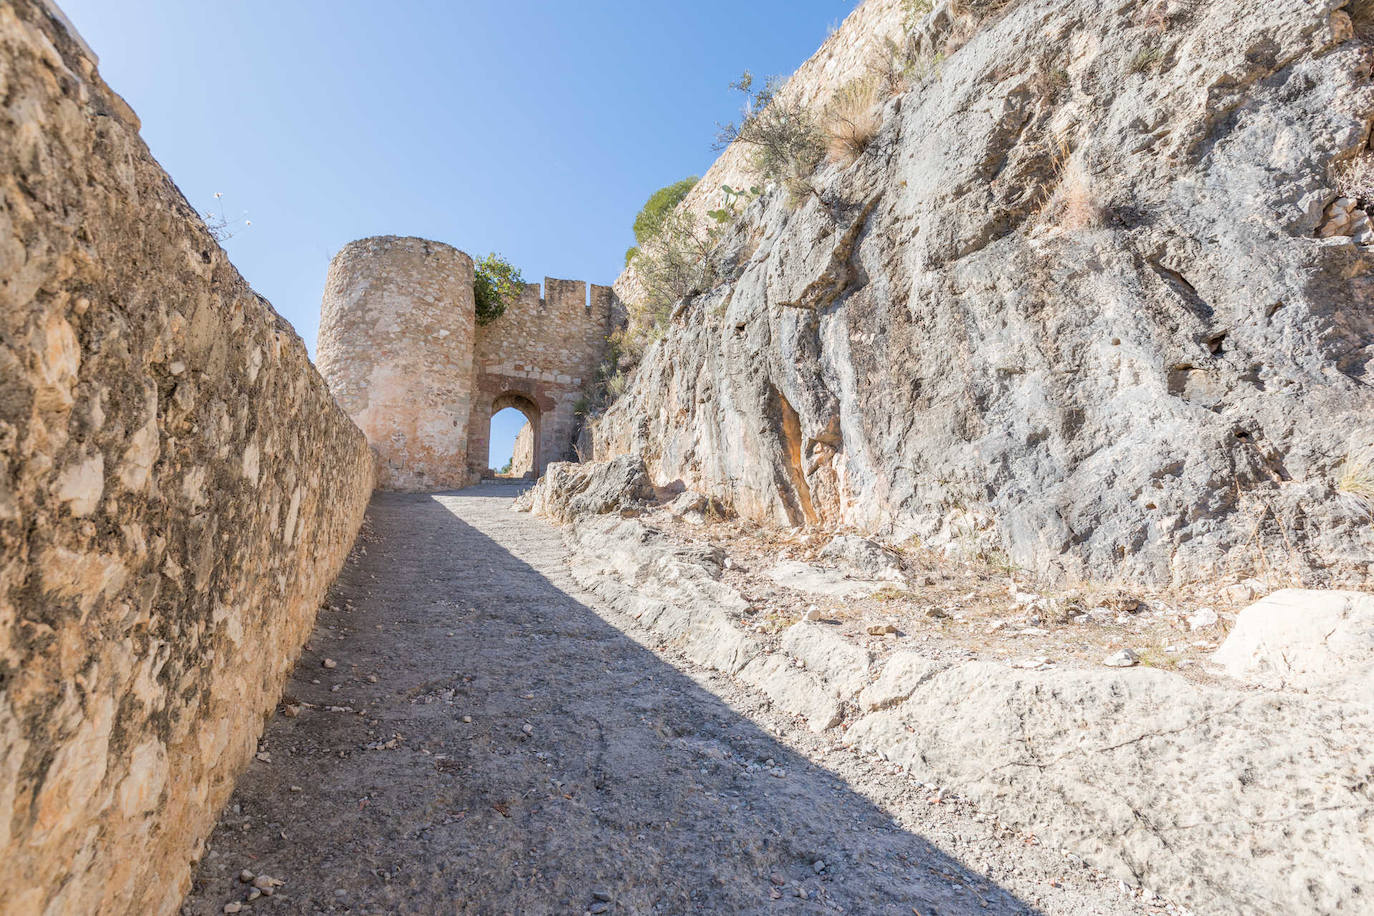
column 656, row 209
column 674, row 264
column 496, row 283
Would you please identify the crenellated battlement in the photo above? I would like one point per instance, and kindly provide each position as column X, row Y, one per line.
column 571, row 300
column 403, row 355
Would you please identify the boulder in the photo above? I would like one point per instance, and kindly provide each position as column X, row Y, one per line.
column 864, row 557
column 569, row 490
column 698, row 509
column 1305, row 640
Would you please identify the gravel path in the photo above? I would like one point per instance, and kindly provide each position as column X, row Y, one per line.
column 464, row 733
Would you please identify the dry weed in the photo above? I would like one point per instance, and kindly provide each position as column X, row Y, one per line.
column 1356, row 482
column 1073, row 205
column 1355, row 177
column 1147, row 60
column 851, row 120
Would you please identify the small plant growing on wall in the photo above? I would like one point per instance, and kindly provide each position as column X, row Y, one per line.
column 786, row 142
column 221, row 227
column 851, row 119
column 732, row 199
column 496, row 283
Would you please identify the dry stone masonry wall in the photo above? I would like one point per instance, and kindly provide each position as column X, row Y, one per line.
column 403, row 355
column 177, row 491
column 544, row 352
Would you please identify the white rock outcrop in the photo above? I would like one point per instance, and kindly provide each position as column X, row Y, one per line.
column 569, row 490
column 1226, row 798
column 1307, row 640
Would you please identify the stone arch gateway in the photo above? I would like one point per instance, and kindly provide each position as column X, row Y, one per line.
column 481, row 421
column 405, row 358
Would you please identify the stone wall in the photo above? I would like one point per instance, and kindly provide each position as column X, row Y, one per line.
column 396, row 344
column 177, row 491
column 522, row 457
column 542, row 352
column 402, row 353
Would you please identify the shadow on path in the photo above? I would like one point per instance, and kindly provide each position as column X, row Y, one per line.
column 589, row 767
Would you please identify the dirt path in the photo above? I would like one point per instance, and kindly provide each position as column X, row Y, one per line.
column 485, row 742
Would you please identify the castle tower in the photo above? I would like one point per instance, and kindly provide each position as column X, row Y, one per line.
column 395, row 345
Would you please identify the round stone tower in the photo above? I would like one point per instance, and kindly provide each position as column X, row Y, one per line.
column 395, row 345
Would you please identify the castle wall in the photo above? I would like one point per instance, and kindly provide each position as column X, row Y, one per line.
column 522, row 456
column 396, row 346
column 545, row 350
column 177, row 491
column 404, row 356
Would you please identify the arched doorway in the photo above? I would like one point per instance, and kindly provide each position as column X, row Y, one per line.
column 513, row 437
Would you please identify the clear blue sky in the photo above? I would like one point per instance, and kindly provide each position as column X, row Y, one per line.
column 536, row 129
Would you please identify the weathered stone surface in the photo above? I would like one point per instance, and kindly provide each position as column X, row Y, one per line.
column 793, row 690
column 1166, row 784
column 401, row 350
column 177, row 490
column 898, row 679
column 843, row 665
column 1304, row 639
column 697, row 508
column 675, row 593
column 395, row 344
column 863, row 556
column 818, row 580
column 568, row 491
column 522, row 456
column 1160, row 384
column 1228, row 800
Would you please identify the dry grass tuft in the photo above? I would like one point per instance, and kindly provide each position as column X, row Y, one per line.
column 1357, row 478
column 1074, row 205
column 1147, row 60
column 852, row 119
column 1355, row 177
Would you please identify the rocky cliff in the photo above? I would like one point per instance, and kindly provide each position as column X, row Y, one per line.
column 177, row 491
column 1096, row 296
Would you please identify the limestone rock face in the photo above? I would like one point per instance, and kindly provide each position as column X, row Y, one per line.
column 1080, row 301
column 1310, row 640
column 568, row 490
column 177, row 491
column 1223, row 798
